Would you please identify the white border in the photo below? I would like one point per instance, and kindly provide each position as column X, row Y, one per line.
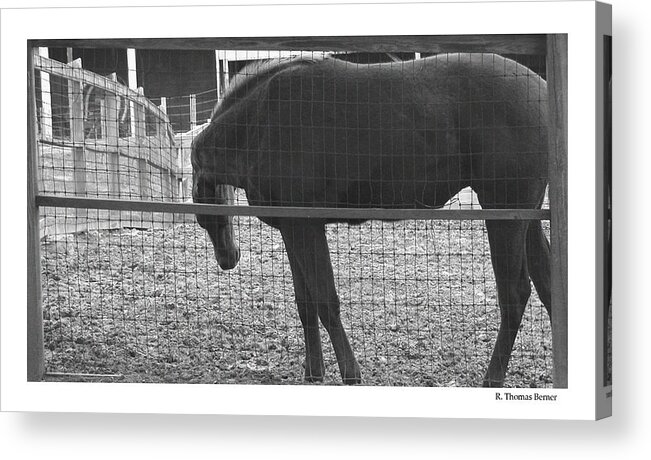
column 577, row 19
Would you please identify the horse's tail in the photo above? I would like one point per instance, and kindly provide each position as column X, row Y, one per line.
column 539, row 262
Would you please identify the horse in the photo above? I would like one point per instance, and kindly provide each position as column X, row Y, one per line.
column 328, row 133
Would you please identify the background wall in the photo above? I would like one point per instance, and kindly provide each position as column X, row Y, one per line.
column 625, row 435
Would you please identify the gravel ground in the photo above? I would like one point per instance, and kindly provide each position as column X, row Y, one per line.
column 418, row 301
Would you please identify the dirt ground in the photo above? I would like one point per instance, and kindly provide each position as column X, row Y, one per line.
column 417, row 298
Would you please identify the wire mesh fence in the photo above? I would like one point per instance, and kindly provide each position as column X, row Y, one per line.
column 153, row 306
column 138, row 296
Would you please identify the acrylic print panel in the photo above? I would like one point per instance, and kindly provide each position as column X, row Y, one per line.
column 363, row 405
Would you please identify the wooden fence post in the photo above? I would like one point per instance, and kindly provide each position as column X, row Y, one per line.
column 46, row 100
column 76, row 101
column 35, row 357
column 77, row 139
column 133, row 84
column 141, row 130
column 223, row 77
column 112, row 138
column 557, row 100
column 167, row 142
column 193, row 111
column 163, row 105
column 140, row 134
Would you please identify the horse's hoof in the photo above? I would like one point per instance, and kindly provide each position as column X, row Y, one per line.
column 313, row 374
column 313, row 378
column 355, row 379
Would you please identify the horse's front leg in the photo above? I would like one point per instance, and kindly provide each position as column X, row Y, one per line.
column 308, row 313
column 308, row 253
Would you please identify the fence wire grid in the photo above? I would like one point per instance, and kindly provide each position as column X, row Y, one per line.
column 137, row 296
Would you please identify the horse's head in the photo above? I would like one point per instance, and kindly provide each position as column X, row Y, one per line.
column 206, row 189
column 219, row 228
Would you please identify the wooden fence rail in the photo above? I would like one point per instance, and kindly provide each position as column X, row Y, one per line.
column 293, row 211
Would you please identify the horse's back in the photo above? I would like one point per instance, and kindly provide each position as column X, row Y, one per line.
column 406, row 134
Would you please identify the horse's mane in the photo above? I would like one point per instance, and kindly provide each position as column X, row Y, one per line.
column 252, row 75
column 242, row 85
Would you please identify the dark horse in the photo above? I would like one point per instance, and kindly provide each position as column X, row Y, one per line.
column 326, row 133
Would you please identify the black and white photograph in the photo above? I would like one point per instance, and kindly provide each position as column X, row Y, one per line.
column 394, row 212
column 382, row 217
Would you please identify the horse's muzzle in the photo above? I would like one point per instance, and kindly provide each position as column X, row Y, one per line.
column 228, row 260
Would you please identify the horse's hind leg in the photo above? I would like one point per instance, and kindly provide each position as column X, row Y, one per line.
column 507, row 243
column 539, row 263
column 308, row 253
